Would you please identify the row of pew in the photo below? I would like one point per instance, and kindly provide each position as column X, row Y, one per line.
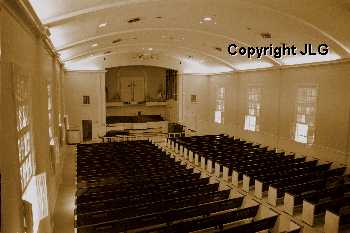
column 134, row 186
column 320, row 190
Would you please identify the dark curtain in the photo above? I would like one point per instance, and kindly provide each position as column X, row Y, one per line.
column 171, row 84
column 112, row 85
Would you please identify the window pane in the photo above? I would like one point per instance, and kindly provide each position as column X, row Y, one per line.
column 250, row 123
column 301, row 131
column 253, row 109
column 218, row 117
column 305, row 115
column 220, row 105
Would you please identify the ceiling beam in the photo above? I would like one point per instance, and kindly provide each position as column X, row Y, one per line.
column 343, row 50
column 60, row 19
column 68, row 46
column 137, row 45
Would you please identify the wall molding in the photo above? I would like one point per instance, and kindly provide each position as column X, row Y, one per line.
column 23, row 13
column 281, row 67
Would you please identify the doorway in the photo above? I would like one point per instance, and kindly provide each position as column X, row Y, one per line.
column 87, row 130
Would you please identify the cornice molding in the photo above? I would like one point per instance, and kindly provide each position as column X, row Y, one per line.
column 23, row 13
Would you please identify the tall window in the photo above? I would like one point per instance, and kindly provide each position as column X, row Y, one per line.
column 34, row 189
column 251, row 121
column 171, row 84
column 50, row 112
column 220, row 106
column 24, row 131
column 306, row 103
column 52, row 140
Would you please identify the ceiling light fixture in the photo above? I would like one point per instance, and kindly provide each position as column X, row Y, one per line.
column 252, row 65
column 150, row 49
column 296, row 60
column 102, row 25
column 94, row 45
column 207, row 19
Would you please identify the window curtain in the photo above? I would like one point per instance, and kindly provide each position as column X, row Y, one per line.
column 171, row 84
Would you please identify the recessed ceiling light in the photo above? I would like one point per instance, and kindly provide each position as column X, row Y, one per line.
column 94, row 45
column 102, row 25
column 207, row 19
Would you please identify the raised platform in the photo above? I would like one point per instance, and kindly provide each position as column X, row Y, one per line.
column 122, row 104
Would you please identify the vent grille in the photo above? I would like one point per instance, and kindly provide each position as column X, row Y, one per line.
column 134, row 20
column 266, row 35
column 117, row 41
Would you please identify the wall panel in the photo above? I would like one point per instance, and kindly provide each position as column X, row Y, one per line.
column 279, row 88
column 77, row 85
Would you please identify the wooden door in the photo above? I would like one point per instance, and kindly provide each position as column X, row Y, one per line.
column 87, row 130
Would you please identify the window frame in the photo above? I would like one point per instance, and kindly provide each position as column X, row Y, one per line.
column 306, row 106
column 253, row 108
column 219, row 105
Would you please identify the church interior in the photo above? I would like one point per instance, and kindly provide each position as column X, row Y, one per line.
column 175, row 116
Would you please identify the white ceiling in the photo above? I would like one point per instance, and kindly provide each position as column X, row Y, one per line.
column 172, row 33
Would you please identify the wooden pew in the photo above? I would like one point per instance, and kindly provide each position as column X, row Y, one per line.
column 255, row 226
column 211, row 221
column 335, row 221
column 312, row 212
column 124, row 221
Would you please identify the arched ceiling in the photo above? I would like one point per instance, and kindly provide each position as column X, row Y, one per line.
column 190, row 35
